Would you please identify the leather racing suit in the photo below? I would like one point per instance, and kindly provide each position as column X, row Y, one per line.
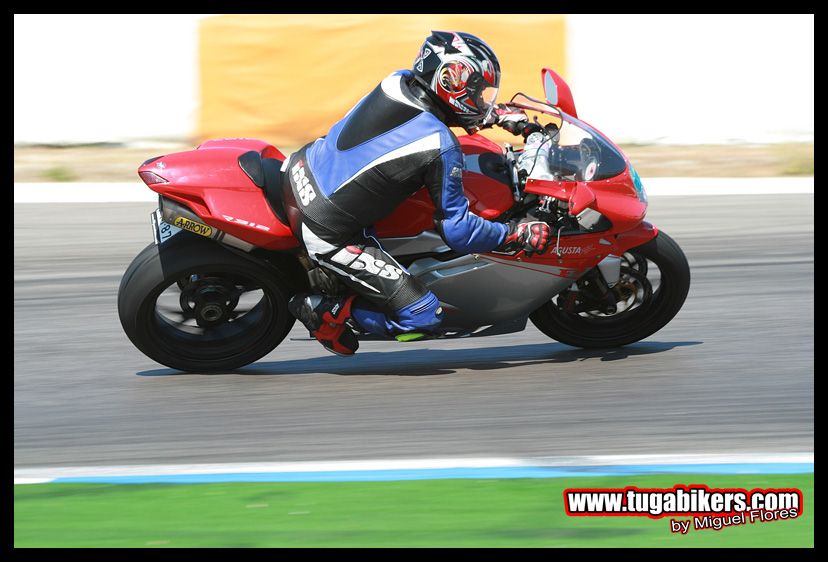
column 393, row 142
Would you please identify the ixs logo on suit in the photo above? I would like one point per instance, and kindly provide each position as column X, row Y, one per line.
column 302, row 183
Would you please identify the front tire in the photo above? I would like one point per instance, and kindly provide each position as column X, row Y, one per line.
column 179, row 304
column 658, row 307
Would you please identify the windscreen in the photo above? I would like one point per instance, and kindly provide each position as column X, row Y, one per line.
column 578, row 153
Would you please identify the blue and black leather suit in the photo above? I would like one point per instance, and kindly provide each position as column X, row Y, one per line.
column 392, row 143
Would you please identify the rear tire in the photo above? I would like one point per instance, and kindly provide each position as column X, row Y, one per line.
column 224, row 339
column 636, row 324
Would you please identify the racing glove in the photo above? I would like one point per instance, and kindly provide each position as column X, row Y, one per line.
column 513, row 119
column 529, row 236
column 510, row 118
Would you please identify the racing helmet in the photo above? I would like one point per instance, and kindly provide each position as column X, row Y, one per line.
column 462, row 74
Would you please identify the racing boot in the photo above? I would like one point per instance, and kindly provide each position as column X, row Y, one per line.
column 325, row 318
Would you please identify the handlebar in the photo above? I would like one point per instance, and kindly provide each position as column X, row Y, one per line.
column 515, row 120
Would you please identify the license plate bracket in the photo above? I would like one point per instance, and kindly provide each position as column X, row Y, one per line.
column 161, row 230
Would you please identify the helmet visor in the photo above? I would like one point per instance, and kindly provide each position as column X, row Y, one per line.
column 482, row 94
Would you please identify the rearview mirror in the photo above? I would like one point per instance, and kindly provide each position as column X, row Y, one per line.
column 557, row 92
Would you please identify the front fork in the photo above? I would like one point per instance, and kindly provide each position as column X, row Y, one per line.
column 594, row 291
column 595, row 288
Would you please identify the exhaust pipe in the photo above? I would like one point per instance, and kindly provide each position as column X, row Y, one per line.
column 182, row 217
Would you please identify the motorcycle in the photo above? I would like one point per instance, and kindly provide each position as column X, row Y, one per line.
column 210, row 292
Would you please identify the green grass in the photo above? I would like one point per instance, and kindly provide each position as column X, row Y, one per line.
column 60, row 174
column 451, row 513
column 799, row 167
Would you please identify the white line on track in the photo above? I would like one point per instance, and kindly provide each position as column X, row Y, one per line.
column 657, row 187
column 47, row 474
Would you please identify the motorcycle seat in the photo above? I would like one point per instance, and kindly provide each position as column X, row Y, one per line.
column 267, row 175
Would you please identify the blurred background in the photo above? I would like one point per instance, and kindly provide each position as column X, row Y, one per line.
column 741, row 83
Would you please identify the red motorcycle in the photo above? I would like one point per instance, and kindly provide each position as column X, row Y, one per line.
column 210, row 293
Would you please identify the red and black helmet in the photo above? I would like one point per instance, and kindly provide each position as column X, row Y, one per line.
column 464, row 74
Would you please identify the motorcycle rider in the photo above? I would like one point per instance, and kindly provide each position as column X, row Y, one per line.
column 394, row 141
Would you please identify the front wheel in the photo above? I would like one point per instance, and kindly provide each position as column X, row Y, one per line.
column 655, row 279
column 193, row 305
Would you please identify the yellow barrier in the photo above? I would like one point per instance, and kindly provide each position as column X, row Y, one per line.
column 287, row 78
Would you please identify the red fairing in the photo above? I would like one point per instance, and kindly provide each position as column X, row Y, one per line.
column 413, row 216
column 477, row 144
column 615, row 197
column 210, row 181
column 576, row 254
column 488, row 197
column 641, row 234
column 260, row 146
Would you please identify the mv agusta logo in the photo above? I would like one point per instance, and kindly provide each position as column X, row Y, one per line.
column 569, row 250
column 355, row 258
column 572, row 250
column 302, row 183
column 555, row 250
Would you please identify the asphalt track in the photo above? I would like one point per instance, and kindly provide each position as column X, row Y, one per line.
column 733, row 372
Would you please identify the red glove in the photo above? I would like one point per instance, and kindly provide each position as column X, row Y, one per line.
column 508, row 117
column 529, row 236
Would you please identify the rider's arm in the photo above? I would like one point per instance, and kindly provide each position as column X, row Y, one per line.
column 462, row 230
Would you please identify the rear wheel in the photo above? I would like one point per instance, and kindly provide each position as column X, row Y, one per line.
column 192, row 305
column 655, row 279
